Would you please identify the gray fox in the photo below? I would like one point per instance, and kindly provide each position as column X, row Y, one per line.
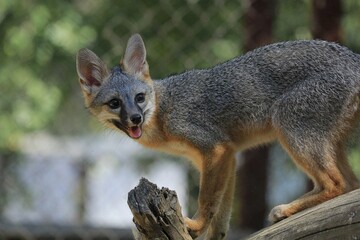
column 304, row 94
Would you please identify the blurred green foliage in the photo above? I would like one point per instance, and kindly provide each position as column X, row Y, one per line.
column 38, row 44
column 39, row 40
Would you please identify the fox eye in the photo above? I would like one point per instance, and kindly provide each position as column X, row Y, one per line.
column 114, row 103
column 140, row 98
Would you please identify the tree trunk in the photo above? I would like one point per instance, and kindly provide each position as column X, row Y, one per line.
column 252, row 174
column 258, row 23
column 327, row 20
column 252, row 179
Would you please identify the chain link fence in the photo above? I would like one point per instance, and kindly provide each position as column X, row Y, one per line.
column 61, row 189
column 76, row 188
column 178, row 35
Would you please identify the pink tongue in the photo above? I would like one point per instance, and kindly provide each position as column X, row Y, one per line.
column 135, row 132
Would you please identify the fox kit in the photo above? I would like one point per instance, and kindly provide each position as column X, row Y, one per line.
column 304, row 94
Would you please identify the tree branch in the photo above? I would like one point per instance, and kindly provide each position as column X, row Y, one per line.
column 157, row 213
column 338, row 218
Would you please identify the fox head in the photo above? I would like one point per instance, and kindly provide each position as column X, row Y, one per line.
column 122, row 98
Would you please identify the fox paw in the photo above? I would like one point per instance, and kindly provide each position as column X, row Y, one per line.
column 278, row 213
column 216, row 236
column 217, row 232
column 195, row 227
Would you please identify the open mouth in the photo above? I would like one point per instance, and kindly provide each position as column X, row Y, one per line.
column 133, row 132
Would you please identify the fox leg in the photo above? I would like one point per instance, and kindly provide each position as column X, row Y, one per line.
column 215, row 174
column 352, row 182
column 329, row 181
column 220, row 224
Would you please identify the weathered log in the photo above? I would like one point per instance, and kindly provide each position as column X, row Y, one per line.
column 157, row 213
column 338, row 218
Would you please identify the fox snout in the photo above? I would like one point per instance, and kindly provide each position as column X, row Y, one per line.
column 133, row 129
column 131, row 119
column 131, row 114
column 136, row 118
column 136, row 130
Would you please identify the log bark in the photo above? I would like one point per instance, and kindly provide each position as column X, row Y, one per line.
column 157, row 213
column 338, row 218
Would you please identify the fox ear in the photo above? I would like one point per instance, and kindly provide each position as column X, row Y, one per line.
column 91, row 70
column 134, row 61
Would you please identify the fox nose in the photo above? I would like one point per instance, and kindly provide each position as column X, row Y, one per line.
column 136, row 118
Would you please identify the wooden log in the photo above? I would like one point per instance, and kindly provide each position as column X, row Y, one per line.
column 338, row 218
column 157, row 213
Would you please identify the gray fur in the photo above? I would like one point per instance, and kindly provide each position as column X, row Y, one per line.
column 301, row 87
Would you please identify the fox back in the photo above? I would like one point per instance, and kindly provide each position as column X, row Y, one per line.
column 303, row 86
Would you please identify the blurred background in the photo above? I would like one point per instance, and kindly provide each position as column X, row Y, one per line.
column 63, row 176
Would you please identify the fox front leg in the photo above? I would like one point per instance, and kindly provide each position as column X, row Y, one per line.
column 221, row 221
column 215, row 173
